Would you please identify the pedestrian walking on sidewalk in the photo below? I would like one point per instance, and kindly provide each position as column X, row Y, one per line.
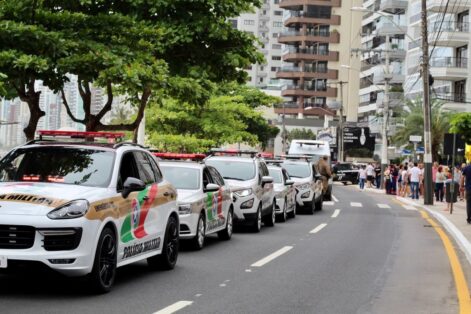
column 378, row 176
column 362, row 177
column 466, row 184
column 414, row 179
column 370, row 173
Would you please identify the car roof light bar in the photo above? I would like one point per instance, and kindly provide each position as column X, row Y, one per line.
column 180, row 156
column 117, row 136
column 238, row 152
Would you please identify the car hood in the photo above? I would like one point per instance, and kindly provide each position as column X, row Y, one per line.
column 186, row 196
column 38, row 199
column 298, row 181
column 236, row 185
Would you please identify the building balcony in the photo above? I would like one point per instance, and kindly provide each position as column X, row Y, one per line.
column 298, row 4
column 450, row 7
column 306, row 91
column 291, row 18
column 395, row 99
column 308, row 73
column 316, row 37
column 452, row 34
column 449, row 68
column 390, row 29
column 380, row 78
column 453, row 97
column 306, row 108
column 393, row 6
column 307, row 54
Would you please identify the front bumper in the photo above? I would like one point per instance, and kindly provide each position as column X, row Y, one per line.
column 304, row 197
column 188, row 225
column 74, row 262
column 280, row 204
column 241, row 214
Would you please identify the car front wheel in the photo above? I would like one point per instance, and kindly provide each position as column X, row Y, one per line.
column 271, row 218
column 168, row 258
column 103, row 273
column 226, row 234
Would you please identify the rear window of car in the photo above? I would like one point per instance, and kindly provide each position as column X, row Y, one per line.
column 233, row 169
column 344, row 167
column 66, row 165
column 181, row 177
column 298, row 170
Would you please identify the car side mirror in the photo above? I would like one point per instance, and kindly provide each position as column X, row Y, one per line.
column 289, row 182
column 211, row 187
column 132, row 185
column 267, row 179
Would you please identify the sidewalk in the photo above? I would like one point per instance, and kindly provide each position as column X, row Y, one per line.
column 454, row 223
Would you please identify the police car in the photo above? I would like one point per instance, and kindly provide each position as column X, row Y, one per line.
column 251, row 186
column 85, row 208
column 204, row 200
column 285, row 192
column 307, row 183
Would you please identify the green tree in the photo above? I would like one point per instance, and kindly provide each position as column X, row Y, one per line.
column 29, row 53
column 304, row 134
column 460, row 123
column 413, row 118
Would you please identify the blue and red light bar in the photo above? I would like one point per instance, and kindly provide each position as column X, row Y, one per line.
column 180, row 156
column 78, row 134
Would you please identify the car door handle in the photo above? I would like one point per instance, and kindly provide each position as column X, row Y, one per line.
column 166, row 194
column 145, row 198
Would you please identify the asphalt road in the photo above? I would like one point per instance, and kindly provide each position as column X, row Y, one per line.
column 353, row 257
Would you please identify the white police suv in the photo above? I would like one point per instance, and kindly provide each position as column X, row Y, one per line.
column 204, row 200
column 85, row 208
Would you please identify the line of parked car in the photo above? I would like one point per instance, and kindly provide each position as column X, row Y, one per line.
column 85, row 208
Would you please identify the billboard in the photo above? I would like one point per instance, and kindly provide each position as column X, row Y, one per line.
column 357, row 142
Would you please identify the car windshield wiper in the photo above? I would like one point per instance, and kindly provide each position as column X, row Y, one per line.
column 296, row 176
column 231, row 178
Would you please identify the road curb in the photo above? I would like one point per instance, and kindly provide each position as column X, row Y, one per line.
column 464, row 244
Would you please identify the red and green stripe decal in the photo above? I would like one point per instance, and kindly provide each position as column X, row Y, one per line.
column 214, row 205
column 133, row 225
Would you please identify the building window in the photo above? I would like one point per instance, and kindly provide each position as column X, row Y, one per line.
column 249, row 22
column 278, row 12
column 277, row 24
column 233, row 23
column 276, row 58
column 262, row 68
column 276, row 46
column 275, row 35
column 261, row 80
column 274, row 69
column 276, row 1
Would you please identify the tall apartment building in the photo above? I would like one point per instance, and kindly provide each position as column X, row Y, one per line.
column 265, row 23
column 449, row 37
column 317, row 42
column 384, row 20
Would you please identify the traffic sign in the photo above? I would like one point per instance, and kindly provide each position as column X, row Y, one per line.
column 415, row 138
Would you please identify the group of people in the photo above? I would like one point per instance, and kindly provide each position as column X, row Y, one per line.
column 407, row 180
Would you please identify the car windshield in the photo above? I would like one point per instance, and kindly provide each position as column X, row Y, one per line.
column 344, row 167
column 67, row 165
column 276, row 175
column 298, row 170
column 234, row 170
column 181, row 177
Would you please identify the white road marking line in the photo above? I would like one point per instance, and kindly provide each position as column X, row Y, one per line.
column 409, row 207
column 174, row 307
column 335, row 199
column 227, row 280
column 271, row 257
column 222, row 285
column 329, row 203
column 354, row 204
column 336, row 213
column 248, row 270
column 318, row 228
column 384, row 206
column 198, row 295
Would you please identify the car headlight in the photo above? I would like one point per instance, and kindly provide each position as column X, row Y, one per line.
column 304, row 186
column 74, row 209
column 184, row 209
column 243, row 193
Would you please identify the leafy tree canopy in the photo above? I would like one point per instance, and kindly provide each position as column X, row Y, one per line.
column 305, row 134
column 460, row 123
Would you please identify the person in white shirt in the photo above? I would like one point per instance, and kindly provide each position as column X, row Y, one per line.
column 362, row 177
column 414, row 178
column 370, row 173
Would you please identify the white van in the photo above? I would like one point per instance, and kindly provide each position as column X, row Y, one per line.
column 315, row 150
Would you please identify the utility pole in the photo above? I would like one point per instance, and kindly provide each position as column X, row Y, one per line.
column 428, row 191
column 341, row 152
column 283, row 147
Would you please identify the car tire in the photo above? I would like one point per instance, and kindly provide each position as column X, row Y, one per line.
column 283, row 216
column 197, row 243
column 292, row 214
column 168, row 258
column 257, row 223
column 312, row 208
column 328, row 195
column 271, row 218
column 226, row 234
column 345, row 183
column 103, row 273
column 318, row 205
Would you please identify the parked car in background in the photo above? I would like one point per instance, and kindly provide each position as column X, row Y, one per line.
column 346, row 172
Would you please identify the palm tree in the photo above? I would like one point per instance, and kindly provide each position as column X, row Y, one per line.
column 413, row 117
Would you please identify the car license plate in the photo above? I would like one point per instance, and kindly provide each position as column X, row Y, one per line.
column 3, row 262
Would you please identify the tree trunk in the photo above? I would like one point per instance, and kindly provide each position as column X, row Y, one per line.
column 32, row 99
